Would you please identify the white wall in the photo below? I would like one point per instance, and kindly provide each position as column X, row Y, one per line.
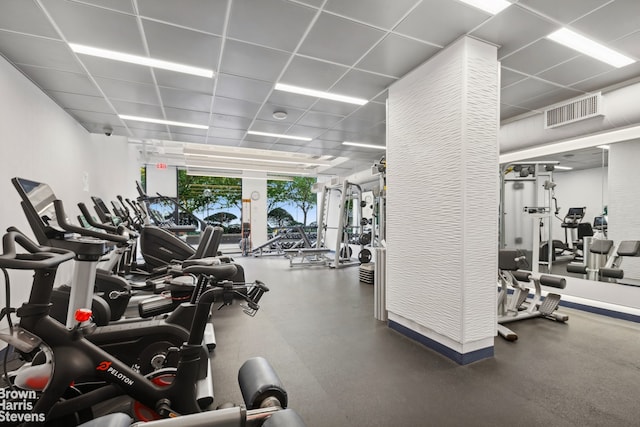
column 40, row 141
column 163, row 181
column 587, row 187
column 624, row 199
column 442, row 156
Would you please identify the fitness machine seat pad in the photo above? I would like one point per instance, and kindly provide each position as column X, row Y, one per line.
column 220, row 272
column 601, row 247
column 629, row 248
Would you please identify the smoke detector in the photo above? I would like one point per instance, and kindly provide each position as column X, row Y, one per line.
column 279, row 115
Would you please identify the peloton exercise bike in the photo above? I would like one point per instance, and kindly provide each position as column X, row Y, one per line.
column 140, row 343
column 70, row 358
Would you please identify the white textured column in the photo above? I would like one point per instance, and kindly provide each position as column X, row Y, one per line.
column 442, row 202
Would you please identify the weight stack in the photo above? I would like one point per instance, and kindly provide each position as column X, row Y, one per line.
column 380, row 284
column 367, row 273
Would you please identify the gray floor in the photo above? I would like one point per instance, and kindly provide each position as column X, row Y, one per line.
column 341, row 367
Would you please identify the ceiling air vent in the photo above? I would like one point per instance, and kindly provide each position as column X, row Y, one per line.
column 573, row 111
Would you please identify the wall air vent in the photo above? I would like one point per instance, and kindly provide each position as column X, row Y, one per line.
column 572, row 111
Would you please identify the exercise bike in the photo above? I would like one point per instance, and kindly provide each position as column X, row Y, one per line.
column 70, row 358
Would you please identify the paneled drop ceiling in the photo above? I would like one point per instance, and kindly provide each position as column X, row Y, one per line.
column 351, row 47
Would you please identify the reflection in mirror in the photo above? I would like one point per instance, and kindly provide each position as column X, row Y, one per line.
column 559, row 198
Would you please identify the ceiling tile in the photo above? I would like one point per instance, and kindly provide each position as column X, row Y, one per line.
column 243, row 88
column 333, row 107
column 610, row 22
column 306, row 131
column 149, row 134
column 81, row 102
column 339, row 135
column 256, row 62
column 612, row 77
column 231, row 122
column 187, row 116
column 286, row 145
column 119, row 5
column 183, row 81
column 235, row 107
column 354, row 125
column 524, row 89
column 314, row 3
column 266, row 113
column 382, row 98
column 274, row 23
column 25, row 17
column 269, row 126
column 21, row 49
column 184, row 137
column 100, row 67
column 185, row 99
column 99, row 27
column 380, row 13
column 133, row 109
column 179, row 130
column 330, row 31
column 181, row 45
column 319, row 120
column 203, row 15
column 61, row 81
column 262, row 144
column 513, row 28
column 126, row 91
column 452, row 20
column 319, row 143
column 301, row 102
column 564, row 11
column 371, row 112
column 396, row 56
column 154, row 127
column 576, row 70
column 538, row 56
column 629, row 45
column 236, row 134
column 308, row 72
column 362, row 84
column 508, row 77
column 93, row 117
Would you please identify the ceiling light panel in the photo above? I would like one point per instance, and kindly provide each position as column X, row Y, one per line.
column 490, row 6
column 141, row 60
column 278, row 135
column 162, row 122
column 319, row 94
column 363, row 145
column 590, row 48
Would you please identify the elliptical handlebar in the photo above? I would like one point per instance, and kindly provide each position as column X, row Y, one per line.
column 38, row 257
column 92, row 222
column 61, row 218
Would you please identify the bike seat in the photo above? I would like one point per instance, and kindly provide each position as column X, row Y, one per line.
column 220, row 272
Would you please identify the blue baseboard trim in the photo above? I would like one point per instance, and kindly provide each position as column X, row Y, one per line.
column 460, row 358
column 601, row 311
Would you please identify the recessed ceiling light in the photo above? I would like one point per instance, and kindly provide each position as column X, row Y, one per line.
column 363, row 145
column 564, row 168
column 161, row 122
column 589, row 47
column 319, row 94
column 279, row 115
column 490, row 6
column 603, row 147
column 278, row 135
column 141, row 60
column 256, row 159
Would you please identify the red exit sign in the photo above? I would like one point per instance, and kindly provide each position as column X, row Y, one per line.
column 161, row 165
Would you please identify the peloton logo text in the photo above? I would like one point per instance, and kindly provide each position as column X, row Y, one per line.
column 106, row 366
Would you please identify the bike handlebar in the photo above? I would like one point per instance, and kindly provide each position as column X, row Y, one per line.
column 38, row 257
column 61, row 217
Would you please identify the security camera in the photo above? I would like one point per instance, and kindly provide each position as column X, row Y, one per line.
column 108, row 131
